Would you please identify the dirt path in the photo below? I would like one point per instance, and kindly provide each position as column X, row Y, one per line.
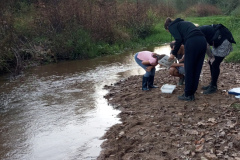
column 157, row 126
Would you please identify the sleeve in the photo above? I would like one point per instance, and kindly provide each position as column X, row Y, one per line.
column 153, row 61
column 178, row 38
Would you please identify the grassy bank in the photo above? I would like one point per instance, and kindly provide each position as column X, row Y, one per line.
column 34, row 33
column 40, row 32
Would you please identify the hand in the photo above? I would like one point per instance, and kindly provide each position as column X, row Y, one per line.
column 212, row 60
column 149, row 68
column 181, row 60
column 170, row 59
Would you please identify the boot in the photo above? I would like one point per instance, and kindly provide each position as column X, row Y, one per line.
column 186, row 98
column 211, row 89
column 144, row 83
column 150, row 82
column 206, row 87
column 181, row 81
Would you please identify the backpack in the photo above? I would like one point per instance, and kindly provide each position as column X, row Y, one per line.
column 221, row 33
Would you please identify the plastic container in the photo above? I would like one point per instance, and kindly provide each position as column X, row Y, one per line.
column 168, row 88
column 235, row 91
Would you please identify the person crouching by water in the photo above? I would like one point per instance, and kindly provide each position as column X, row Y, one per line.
column 177, row 69
column 148, row 60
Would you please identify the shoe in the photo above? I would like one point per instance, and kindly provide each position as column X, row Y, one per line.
column 186, row 98
column 145, row 89
column 206, row 87
column 153, row 86
column 210, row 90
column 181, row 81
column 144, row 83
column 150, row 82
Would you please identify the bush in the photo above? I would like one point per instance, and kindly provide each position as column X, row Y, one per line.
column 73, row 43
column 203, row 10
column 236, row 12
column 46, row 31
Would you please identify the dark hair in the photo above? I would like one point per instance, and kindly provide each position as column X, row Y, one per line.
column 167, row 22
column 160, row 56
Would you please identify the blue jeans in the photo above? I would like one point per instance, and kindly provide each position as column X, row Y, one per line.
column 139, row 62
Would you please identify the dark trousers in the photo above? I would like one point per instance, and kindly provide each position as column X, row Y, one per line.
column 215, row 69
column 195, row 49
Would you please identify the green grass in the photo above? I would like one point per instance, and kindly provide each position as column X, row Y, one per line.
column 158, row 36
column 209, row 20
column 236, row 106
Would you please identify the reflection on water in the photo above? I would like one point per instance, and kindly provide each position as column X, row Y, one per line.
column 163, row 50
column 58, row 111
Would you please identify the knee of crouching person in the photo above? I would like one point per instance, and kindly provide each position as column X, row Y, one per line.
column 171, row 71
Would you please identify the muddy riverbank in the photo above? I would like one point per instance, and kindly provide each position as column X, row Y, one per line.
column 157, row 126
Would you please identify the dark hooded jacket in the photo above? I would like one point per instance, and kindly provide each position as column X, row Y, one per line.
column 208, row 32
column 216, row 34
column 181, row 31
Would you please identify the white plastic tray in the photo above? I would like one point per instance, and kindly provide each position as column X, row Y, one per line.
column 235, row 91
column 168, row 88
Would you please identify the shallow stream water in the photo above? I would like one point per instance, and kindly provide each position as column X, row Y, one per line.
column 58, row 112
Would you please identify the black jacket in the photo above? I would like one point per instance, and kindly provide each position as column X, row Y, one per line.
column 208, row 32
column 182, row 30
column 215, row 34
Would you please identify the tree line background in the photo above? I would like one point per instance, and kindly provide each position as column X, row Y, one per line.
column 43, row 31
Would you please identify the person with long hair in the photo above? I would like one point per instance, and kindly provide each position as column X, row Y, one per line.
column 148, row 60
column 195, row 46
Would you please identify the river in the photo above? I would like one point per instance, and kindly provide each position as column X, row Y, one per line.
column 58, row 111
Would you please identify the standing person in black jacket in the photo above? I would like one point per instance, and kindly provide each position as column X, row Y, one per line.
column 221, row 47
column 195, row 45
